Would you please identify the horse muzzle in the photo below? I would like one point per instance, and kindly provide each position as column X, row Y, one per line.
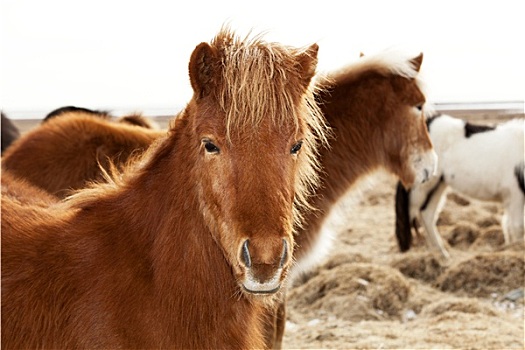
column 261, row 277
column 425, row 166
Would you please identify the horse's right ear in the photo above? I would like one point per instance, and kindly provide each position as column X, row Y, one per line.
column 307, row 63
column 202, row 69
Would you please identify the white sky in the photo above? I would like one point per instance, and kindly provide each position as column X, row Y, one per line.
column 133, row 55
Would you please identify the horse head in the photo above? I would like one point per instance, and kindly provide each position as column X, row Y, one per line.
column 409, row 149
column 256, row 138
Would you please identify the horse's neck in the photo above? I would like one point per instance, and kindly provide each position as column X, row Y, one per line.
column 356, row 149
column 354, row 152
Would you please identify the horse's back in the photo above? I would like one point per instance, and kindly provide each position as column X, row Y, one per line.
column 482, row 165
column 66, row 153
column 24, row 192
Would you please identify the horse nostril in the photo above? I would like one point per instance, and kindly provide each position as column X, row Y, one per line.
column 245, row 256
column 285, row 253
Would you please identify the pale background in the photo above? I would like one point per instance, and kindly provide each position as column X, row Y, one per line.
column 133, row 55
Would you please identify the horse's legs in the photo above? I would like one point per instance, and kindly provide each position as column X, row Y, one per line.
column 428, row 216
column 418, row 198
column 513, row 220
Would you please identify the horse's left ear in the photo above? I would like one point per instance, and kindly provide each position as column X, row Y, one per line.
column 202, row 69
column 307, row 63
column 416, row 62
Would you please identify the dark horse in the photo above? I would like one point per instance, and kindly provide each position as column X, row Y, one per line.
column 188, row 246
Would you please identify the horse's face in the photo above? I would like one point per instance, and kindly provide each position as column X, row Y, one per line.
column 247, row 191
column 409, row 148
column 247, row 179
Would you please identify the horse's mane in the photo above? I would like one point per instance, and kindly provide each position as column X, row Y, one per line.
column 390, row 61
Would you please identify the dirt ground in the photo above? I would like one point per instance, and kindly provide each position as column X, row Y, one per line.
column 369, row 295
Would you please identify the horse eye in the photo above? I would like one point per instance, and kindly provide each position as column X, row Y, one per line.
column 419, row 107
column 295, row 149
column 210, row 147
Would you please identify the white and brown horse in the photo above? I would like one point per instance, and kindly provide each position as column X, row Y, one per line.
column 484, row 162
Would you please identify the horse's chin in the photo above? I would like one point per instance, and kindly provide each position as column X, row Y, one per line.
column 261, row 292
column 251, row 285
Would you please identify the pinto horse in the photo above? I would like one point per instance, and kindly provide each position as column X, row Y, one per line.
column 74, row 146
column 484, row 162
column 375, row 109
column 187, row 246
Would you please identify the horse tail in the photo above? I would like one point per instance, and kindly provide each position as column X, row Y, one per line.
column 403, row 229
column 519, row 172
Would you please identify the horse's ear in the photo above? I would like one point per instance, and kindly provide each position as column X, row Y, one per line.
column 203, row 63
column 307, row 63
column 416, row 62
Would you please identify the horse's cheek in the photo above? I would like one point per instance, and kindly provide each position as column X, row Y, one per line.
column 216, row 199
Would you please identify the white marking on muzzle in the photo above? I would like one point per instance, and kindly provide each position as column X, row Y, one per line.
column 251, row 284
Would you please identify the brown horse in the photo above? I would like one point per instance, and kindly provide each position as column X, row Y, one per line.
column 74, row 146
column 187, row 247
column 375, row 108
